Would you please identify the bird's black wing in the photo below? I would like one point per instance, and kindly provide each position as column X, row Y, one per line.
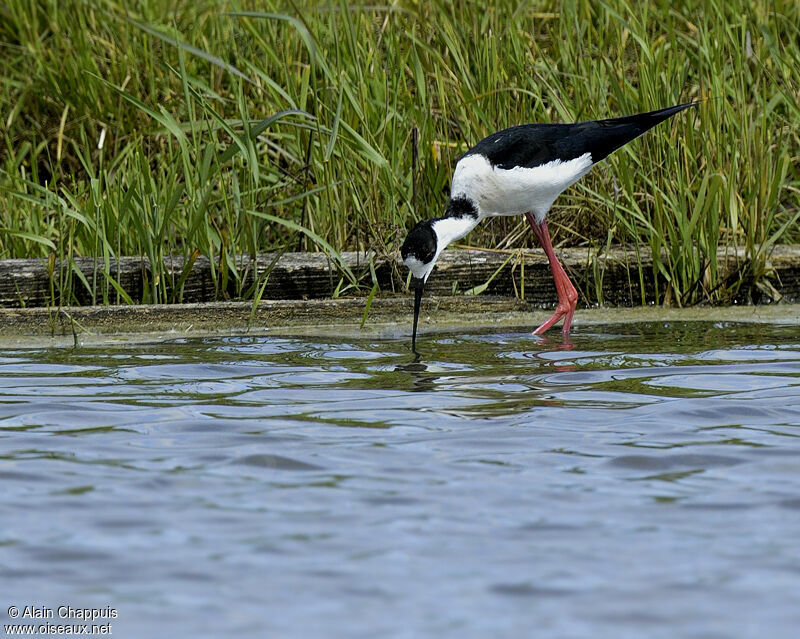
column 532, row 145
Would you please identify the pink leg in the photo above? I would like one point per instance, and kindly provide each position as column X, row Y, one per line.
column 567, row 295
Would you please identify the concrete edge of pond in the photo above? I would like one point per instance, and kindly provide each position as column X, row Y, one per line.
column 388, row 317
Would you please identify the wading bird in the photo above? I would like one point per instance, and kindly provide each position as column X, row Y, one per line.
column 521, row 171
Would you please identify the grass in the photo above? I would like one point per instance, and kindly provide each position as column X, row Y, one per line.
column 160, row 128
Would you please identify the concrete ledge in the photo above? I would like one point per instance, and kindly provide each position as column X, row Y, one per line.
column 227, row 317
column 388, row 317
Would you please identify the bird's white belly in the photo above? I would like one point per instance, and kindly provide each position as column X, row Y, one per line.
column 519, row 190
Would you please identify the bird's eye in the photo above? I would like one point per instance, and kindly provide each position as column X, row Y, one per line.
column 429, row 256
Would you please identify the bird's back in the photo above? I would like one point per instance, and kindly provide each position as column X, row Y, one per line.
column 533, row 145
column 526, row 167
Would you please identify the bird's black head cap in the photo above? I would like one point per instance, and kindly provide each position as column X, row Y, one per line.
column 420, row 243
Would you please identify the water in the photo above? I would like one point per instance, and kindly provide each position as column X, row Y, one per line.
column 644, row 481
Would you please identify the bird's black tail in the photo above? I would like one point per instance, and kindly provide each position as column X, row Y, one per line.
column 610, row 135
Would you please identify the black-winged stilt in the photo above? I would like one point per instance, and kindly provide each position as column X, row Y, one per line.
column 521, row 171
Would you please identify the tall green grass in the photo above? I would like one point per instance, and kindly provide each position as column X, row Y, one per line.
column 160, row 128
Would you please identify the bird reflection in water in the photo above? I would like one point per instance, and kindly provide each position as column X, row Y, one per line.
column 424, row 379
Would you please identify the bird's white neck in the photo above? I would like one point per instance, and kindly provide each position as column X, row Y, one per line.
column 450, row 229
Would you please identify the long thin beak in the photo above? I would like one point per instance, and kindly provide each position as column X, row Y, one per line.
column 418, row 284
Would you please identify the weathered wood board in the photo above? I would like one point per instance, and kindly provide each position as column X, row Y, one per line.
column 523, row 274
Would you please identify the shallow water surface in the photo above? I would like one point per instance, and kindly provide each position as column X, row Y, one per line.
column 643, row 480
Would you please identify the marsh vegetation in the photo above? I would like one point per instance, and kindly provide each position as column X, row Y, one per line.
column 161, row 128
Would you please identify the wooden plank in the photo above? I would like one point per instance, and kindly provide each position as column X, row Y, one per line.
column 612, row 278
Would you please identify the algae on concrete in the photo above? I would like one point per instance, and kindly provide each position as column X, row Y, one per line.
column 388, row 317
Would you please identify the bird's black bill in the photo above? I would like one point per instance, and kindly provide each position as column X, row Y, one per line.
column 418, row 285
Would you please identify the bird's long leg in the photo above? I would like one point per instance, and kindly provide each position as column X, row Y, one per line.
column 567, row 295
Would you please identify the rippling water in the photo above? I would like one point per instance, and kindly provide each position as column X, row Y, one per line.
column 643, row 481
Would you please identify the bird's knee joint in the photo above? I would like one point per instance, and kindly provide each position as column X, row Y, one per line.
column 572, row 297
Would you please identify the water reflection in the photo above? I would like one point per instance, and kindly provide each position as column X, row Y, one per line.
column 417, row 372
column 287, row 487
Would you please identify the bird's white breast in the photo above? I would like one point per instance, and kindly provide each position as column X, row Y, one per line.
column 519, row 190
